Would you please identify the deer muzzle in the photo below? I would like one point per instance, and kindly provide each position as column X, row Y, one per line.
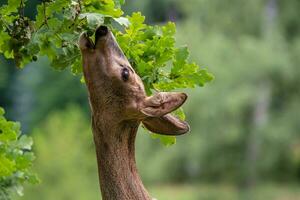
column 101, row 32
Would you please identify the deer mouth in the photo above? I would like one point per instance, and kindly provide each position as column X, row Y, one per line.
column 103, row 39
column 105, row 42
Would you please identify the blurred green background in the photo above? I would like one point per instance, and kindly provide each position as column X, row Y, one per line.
column 245, row 138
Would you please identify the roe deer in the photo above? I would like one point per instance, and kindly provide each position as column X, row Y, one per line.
column 118, row 105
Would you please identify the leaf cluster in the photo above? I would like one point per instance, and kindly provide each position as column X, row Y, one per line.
column 15, row 158
column 151, row 50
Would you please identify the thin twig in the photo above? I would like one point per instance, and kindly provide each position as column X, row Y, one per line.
column 21, row 11
column 45, row 14
column 77, row 13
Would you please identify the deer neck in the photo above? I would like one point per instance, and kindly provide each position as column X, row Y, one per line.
column 115, row 149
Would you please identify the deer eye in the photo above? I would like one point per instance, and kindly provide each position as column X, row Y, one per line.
column 125, row 74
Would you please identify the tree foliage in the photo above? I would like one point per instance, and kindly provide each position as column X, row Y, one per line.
column 55, row 30
column 15, row 158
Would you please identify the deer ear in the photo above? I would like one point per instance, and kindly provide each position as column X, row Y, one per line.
column 166, row 125
column 162, row 103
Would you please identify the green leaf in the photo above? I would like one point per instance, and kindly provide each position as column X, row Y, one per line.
column 24, row 161
column 7, row 134
column 2, row 112
column 166, row 140
column 180, row 113
column 82, row 80
column 7, row 166
column 15, row 157
column 33, row 179
column 137, row 22
column 19, row 189
column 76, row 67
column 119, row 3
column 181, row 55
column 25, row 142
column 105, row 7
column 123, row 21
column 66, row 58
column 94, row 19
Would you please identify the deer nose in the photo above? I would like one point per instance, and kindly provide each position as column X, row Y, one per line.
column 101, row 31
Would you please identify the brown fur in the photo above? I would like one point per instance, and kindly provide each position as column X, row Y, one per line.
column 119, row 104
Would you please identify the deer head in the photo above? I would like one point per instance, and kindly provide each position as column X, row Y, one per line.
column 117, row 92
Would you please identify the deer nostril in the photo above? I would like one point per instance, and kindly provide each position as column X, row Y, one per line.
column 101, row 31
